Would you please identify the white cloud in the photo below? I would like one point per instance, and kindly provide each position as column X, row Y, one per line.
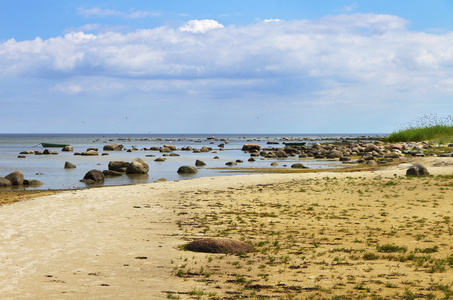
column 104, row 13
column 272, row 20
column 344, row 55
column 200, row 26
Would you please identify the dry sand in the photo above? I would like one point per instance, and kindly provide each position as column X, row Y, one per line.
column 315, row 235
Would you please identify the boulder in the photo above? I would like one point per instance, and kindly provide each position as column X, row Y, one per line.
column 113, row 147
column 274, row 164
column 93, row 176
column 219, row 245
column 27, row 152
column 5, row 182
column 231, row 163
column 200, row 163
column 205, row 149
column 160, row 180
column 298, row 166
column 90, row 152
column 118, row 166
column 69, row 165
column 67, row 148
column 187, row 170
column 16, row 178
column 51, row 152
column 110, row 173
column 171, row 147
column 138, row 166
column 165, row 150
column 160, row 159
column 417, row 170
column 32, row 182
column 251, row 147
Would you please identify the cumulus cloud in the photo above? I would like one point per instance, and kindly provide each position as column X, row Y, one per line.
column 200, row 26
column 335, row 56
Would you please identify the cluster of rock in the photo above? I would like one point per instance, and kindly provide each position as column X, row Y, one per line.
column 17, row 179
column 117, row 168
column 367, row 153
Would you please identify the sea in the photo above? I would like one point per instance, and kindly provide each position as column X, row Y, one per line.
column 49, row 169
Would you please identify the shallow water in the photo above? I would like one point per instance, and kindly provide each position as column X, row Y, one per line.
column 50, row 168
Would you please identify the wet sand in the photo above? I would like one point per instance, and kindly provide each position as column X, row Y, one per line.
column 314, row 234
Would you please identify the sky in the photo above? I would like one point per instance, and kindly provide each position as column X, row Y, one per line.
column 203, row 66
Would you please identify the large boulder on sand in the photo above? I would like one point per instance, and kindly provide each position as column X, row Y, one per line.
column 138, row 166
column 251, row 147
column 93, row 176
column 118, row 166
column 113, row 147
column 417, row 170
column 187, row 170
column 16, row 178
column 219, row 245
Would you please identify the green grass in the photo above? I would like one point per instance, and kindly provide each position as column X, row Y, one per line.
column 428, row 127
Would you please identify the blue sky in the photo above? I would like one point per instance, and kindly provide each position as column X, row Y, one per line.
column 223, row 67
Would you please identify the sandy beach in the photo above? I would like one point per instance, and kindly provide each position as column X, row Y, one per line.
column 321, row 235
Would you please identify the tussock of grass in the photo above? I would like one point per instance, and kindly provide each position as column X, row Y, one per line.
column 428, row 127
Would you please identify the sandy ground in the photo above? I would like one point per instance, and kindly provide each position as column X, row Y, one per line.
column 310, row 231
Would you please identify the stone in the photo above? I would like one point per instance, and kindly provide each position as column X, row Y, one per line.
column 219, row 245
column 5, row 182
column 27, row 152
column 90, row 152
column 32, row 182
column 171, row 147
column 69, row 165
column 49, row 152
column 187, row 170
column 165, row 150
column 200, row 163
column 417, row 170
column 111, row 173
column 251, row 147
column 67, row 149
column 138, row 166
column 119, row 166
column 298, row 166
column 93, row 176
column 251, row 159
column 160, row 159
column 160, row 180
column 21, row 156
column 231, row 163
column 113, row 147
column 274, row 164
column 16, row 178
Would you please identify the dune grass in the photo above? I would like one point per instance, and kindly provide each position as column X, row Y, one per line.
column 428, row 127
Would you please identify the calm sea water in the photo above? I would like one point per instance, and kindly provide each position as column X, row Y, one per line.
column 50, row 168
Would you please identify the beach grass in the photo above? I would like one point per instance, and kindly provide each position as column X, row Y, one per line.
column 428, row 127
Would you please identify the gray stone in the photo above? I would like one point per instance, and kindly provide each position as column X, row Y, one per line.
column 417, row 170
column 67, row 148
column 93, row 176
column 16, row 178
column 200, row 163
column 251, row 147
column 119, row 166
column 187, row 170
column 69, row 165
column 5, row 182
column 111, row 173
column 113, row 147
column 138, row 166
column 298, row 166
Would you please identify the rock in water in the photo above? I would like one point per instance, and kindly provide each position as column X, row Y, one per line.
column 93, row 176
column 187, row 170
column 200, row 163
column 16, row 178
column 138, row 166
column 69, row 165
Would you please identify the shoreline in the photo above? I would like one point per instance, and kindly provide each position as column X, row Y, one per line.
column 124, row 241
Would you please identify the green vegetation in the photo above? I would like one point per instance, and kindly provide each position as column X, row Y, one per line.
column 428, row 127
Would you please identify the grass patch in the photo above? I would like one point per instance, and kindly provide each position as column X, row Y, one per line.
column 429, row 127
